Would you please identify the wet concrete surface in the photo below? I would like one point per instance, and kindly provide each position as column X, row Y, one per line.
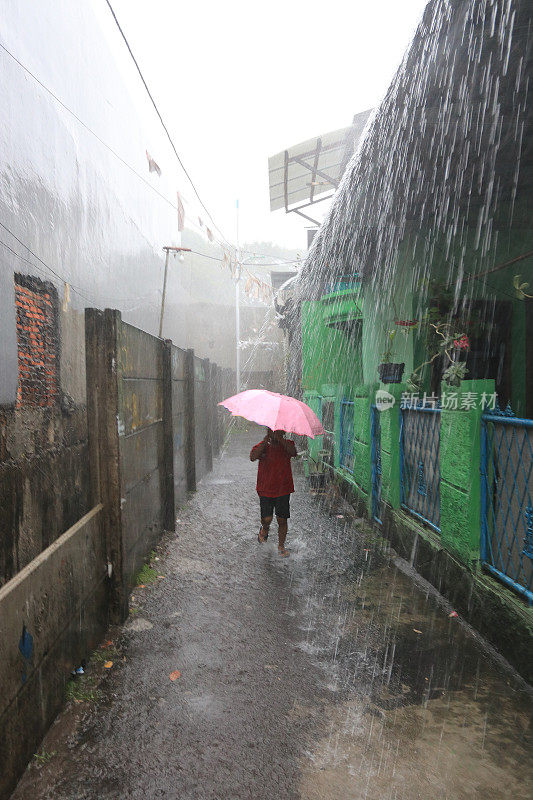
column 331, row 674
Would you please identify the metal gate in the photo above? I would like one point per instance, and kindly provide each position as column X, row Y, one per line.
column 375, row 450
column 419, row 462
column 346, row 443
column 506, row 499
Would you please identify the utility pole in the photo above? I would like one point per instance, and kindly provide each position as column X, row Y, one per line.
column 237, row 313
column 237, row 333
column 168, row 250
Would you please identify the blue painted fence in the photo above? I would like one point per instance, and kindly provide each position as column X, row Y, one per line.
column 346, row 443
column 419, row 463
column 506, row 499
column 375, row 430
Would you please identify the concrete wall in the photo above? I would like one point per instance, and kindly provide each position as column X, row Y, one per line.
column 201, row 418
column 153, row 430
column 52, row 614
column 153, row 426
column 141, row 443
column 178, row 425
column 44, row 480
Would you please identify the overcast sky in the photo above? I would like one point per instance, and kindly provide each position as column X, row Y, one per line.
column 238, row 81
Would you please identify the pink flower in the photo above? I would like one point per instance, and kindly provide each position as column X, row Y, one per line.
column 462, row 343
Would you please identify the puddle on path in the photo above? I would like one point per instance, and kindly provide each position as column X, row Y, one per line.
column 419, row 706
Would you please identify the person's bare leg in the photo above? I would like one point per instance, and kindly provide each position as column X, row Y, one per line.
column 283, row 527
column 265, row 526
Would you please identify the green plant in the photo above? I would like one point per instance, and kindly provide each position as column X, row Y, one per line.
column 100, row 656
column 520, row 288
column 147, row 574
column 404, row 326
column 83, row 690
column 455, row 373
column 386, row 356
column 449, row 344
column 44, row 757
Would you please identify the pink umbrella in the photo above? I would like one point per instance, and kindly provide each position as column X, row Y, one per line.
column 276, row 411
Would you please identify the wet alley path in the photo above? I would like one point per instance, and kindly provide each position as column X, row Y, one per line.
column 326, row 676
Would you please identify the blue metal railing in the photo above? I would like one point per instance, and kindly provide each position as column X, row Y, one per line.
column 346, row 440
column 375, row 430
column 506, row 499
column 419, row 463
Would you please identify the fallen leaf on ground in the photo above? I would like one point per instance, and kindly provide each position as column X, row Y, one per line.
column 160, row 576
column 453, row 614
column 415, row 630
column 340, row 516
column 175, row 675
column 141, row 586
column 106, row 644
column 108, row 664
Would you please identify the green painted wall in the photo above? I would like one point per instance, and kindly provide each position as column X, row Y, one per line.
column 460, row 479
column 363, row 397
column 314, row 401
column 381, row 311
column 335, row 367
column 443, row 265
column 328, row 355
column 518, row 358
column 390, row 448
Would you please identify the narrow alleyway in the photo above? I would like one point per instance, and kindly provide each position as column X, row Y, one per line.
column 326, row 676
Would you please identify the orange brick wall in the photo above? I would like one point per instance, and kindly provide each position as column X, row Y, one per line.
column 37, row 338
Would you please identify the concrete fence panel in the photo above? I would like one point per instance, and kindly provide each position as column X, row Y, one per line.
column 141, row 443
column 52, row 614
column 178, row 374
column 201, row 416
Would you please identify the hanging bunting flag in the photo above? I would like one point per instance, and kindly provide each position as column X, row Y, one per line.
column 152, row 166
column 201, row 222
column 209, row 234
column 181, row 213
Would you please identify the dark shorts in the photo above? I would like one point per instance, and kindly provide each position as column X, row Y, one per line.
column 278, row 504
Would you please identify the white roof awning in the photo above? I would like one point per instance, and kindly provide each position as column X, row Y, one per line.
column 312, row 168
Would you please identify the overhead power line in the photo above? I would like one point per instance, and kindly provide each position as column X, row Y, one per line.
column 136, row 173
column 169, row 137
column 93, row 133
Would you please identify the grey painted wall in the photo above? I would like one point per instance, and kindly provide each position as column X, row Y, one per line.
column 97, row 218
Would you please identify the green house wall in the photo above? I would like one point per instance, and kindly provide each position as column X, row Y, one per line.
column 339, row 365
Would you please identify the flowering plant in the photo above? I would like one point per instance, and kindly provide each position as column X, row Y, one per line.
column 450, row 344
column 463, row 343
